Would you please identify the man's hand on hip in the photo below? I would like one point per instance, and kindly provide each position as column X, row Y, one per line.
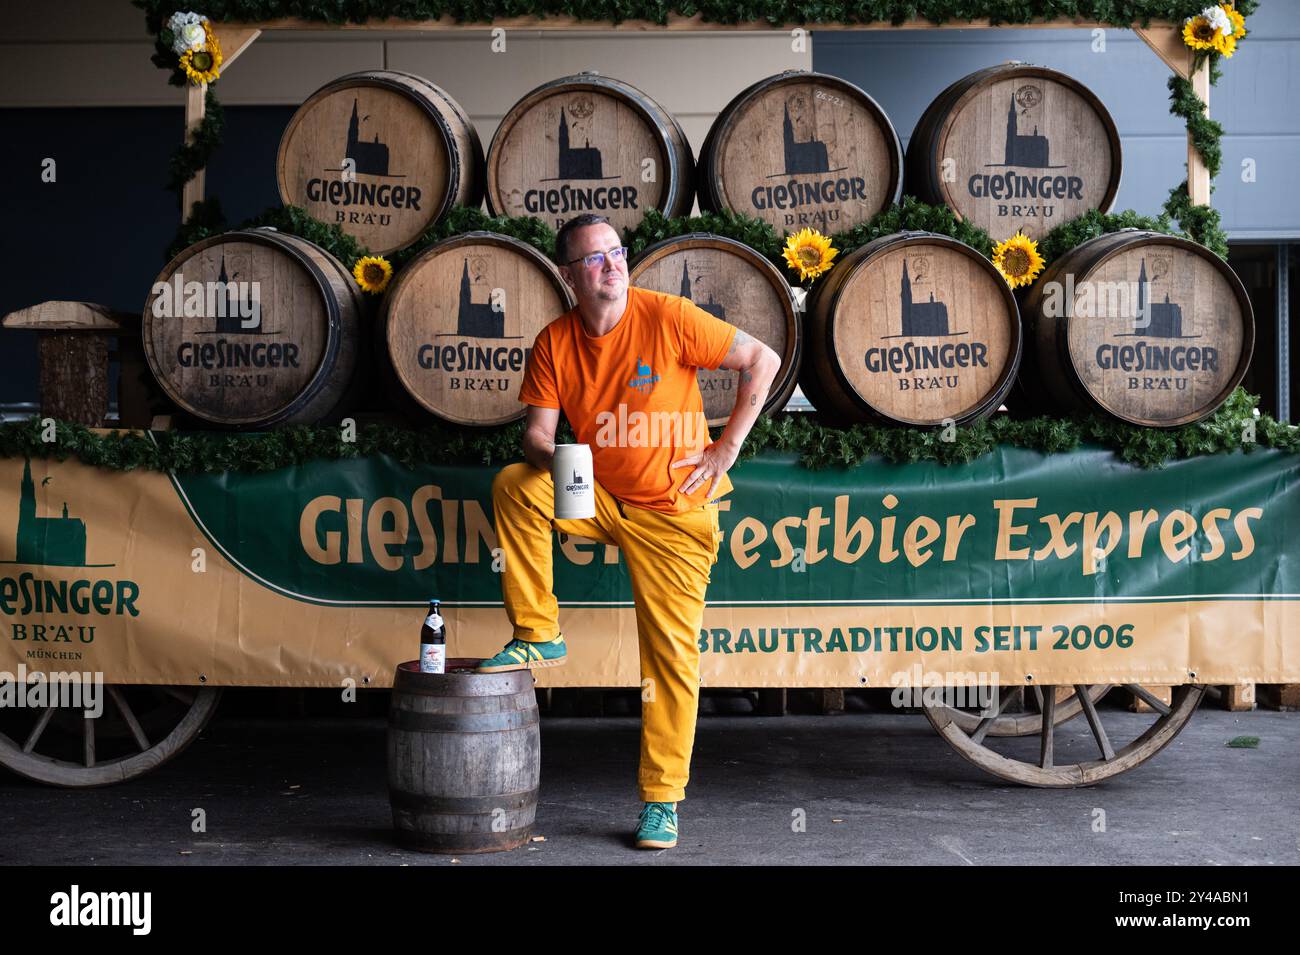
column 710, row 464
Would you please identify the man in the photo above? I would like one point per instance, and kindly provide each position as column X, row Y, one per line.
column 656, row 486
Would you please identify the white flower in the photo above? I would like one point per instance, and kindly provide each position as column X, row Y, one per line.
column 1218, row 18
column 187, row 32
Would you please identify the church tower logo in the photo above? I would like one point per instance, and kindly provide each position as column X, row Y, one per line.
column 1032, row 151
column 1163, row 319
column 478, row 319
column 49, row 541
column 241, row 300
column 716, row 309
column 921, row 319
column 370, row 158
column 577, row 162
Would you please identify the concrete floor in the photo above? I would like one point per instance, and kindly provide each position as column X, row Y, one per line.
column 875, row 788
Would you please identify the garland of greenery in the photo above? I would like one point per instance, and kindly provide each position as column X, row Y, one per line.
column 1236, row 425
column 192, row 156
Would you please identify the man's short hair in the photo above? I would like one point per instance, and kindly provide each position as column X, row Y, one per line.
column 563, row 255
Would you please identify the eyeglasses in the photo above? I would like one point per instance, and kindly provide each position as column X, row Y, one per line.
column 598, row 258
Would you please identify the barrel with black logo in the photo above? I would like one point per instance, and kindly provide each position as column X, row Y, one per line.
column 458, row 324
column 255, row 329
column 383, row 155
column 913, row 328
column 589, row 143
column 1014, row 148
column 1144, row 327
column 464, row 758
column 802, row 150
column 733, row 282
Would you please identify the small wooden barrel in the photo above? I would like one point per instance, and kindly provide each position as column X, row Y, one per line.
column 1145, row 327
column 464, row 758
column 589, row 143
column 459, row 323
column 1015, row 147
column 731, row 281
column 254, row 329
column 383, row 155
column 802, row 150
column 913, row 328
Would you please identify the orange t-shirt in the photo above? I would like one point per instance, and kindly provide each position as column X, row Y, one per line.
column 632, row 393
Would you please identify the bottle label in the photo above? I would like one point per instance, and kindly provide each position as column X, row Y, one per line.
column 434, row 621
column 433, row 658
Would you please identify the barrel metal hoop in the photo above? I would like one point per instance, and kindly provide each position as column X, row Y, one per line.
column 461, row 723
column 423, row 803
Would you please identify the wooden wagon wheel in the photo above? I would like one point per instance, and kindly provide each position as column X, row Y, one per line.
column 62, row 747
column 1009, row 721
column 1018, row 760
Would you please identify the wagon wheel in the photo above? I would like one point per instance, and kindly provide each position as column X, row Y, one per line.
column 1009, row 722
column 140, row 728
column 1037, row 762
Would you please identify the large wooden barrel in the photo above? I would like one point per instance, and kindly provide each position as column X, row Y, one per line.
column 1148, row 328
column 464, row 758
column 802, row 150
column 383, row 155
column 1015, row 147
column 589, row 143
column 730, row 280
column 459, row 323
column 254, row 329
column 913, row 328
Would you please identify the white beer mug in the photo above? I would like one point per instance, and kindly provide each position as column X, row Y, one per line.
column 575, row 487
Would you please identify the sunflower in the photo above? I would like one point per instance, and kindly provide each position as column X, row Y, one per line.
column 204, row 64
column 809, row 253
column 1238, row 21
column 372, row 273
column 1199, row 33
column 1225, row 44
column 1018, row 260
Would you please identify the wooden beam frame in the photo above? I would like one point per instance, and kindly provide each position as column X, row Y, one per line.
column 1164, row 38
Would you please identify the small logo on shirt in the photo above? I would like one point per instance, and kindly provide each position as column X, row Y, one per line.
column 645, row 379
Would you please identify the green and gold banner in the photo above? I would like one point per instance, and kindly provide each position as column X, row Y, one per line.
column 1060, row 568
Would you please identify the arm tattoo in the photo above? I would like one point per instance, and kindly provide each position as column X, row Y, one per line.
column 746, row 376
column 741, row 339
column 753, row 399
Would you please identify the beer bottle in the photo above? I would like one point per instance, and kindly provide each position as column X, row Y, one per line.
column 433, row 642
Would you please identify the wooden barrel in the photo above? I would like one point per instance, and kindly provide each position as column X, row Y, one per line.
column 383, row 155
column 730, row 280
column 1145, row 327
column 254, row 329
column 802, row 150
column 464, row 758
column 459, row 323
column 913, row 328
column 1015, row 147
column 589, row 143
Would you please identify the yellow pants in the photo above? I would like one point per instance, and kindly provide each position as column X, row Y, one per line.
column 669, row 558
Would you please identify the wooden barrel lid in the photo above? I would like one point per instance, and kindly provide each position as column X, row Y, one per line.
column 733, row 282
column 409, row 148
column 460, row 320
column 802, row 150
column 1157, row 331
column 589, row 143
column 1016, row 147
column 247, row 327
column 916, row 328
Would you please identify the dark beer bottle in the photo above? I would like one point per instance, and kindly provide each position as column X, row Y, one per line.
column 433, row 642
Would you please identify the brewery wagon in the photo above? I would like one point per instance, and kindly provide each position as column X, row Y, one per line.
column 1020, row 568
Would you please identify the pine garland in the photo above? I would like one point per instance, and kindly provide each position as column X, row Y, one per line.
column 1235, row 426
column 192, row 156
column 461, row 219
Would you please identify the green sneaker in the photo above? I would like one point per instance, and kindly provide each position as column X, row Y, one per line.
column 526, row 655
column 658, row 827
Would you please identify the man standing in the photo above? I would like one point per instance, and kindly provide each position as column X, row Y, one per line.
column 626, row 360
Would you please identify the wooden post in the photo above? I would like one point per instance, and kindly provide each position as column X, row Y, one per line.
column 1198, row 173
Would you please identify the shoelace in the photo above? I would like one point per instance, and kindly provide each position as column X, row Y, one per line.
column 655, row 809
